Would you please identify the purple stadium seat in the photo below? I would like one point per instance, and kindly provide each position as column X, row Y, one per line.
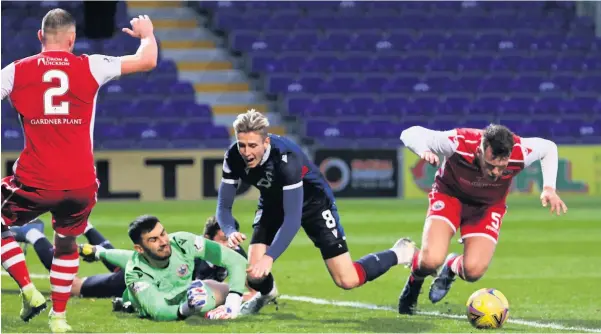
column 319, row 129
column 516, row 106
column 424, row 106
column 469, row 62
column 547, row 105
column 485, row 106
column 396, row 105
column 455, row 105
column 495, row 84
column 350, row 129
column 445, row 64
column 476, row 64
column 298, row 105
column 330, row 107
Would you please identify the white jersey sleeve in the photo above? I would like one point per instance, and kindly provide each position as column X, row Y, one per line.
column 8, row 80
column 536, row 149
column 419, row 140
column 105, row 68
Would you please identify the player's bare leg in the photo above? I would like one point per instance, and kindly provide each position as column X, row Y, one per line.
column 220, row 290
column 65, row 264
column 435, row 244
column 76, row 286
column 471, row 266
column 13, row 261
column 348, row 274
column 266, row 289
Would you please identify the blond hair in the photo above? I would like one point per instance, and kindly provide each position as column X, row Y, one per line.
column 251, row 121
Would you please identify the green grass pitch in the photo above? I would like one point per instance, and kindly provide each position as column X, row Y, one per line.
column 548, row 267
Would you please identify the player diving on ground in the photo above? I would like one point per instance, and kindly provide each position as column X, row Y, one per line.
column 112, row 284
column 293, row 194
column 159, row 274
column 469, row 193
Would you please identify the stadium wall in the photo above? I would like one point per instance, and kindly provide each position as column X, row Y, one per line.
column 579, row 173
column 155, row 175
column 352, row 173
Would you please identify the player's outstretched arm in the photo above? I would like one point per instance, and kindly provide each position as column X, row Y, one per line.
column 8, row 80
column 293, row 209
column 225, row 202
column 422, row 141
column 146, row 57
column 149, row 300
column 293, row 206
column 545, row 151
column 116, row 257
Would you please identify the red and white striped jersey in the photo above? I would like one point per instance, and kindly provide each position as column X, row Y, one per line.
column 459, row 176
column 55, row 94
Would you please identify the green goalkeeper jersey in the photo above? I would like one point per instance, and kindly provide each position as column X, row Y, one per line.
column 157, row 293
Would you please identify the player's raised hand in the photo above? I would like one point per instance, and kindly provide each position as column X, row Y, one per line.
column 549, row 198
column 260, row 269
column 141, row 27
column 235, row 239
column 430, row 158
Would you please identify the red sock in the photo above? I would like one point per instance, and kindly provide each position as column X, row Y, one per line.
column 456, row 265
column 13, row 261
column 415, row 274
column 360, row 272
column 62, row 272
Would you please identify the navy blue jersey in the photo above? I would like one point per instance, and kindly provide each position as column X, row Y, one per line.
column 284, row 166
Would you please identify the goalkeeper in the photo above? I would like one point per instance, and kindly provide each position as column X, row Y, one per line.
column 159, row 274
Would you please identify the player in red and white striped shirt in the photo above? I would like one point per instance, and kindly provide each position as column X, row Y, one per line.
column 54, row 93
column 469, row 195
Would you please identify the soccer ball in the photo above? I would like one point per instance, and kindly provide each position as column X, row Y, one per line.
column 487, row 308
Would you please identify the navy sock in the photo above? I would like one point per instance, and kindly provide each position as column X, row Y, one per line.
column 375, row 265
column 96, row 238
column 45, row 251
column 264, row 287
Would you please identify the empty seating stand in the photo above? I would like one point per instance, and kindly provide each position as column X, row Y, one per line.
column 142, row 111
column 366, row 70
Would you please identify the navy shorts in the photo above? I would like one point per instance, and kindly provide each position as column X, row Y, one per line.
column 104, row 285
column 321, row 224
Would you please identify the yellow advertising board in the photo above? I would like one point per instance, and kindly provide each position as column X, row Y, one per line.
column 156, row 175
column 579, row 172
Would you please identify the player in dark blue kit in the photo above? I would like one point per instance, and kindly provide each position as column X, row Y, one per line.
column 293, row 194
column 112, row 284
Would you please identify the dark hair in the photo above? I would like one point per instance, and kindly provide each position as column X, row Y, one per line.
column 212, row 227
column 500, row 140
column 142, row 224
column 57, row 19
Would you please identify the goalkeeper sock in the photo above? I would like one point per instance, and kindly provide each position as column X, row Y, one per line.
column 264, row 287
column 375, row 265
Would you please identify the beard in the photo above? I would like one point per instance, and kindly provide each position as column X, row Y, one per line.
column 155, row 256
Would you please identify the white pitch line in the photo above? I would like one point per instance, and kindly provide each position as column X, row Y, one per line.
column 367, row 306
column 434, row 313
